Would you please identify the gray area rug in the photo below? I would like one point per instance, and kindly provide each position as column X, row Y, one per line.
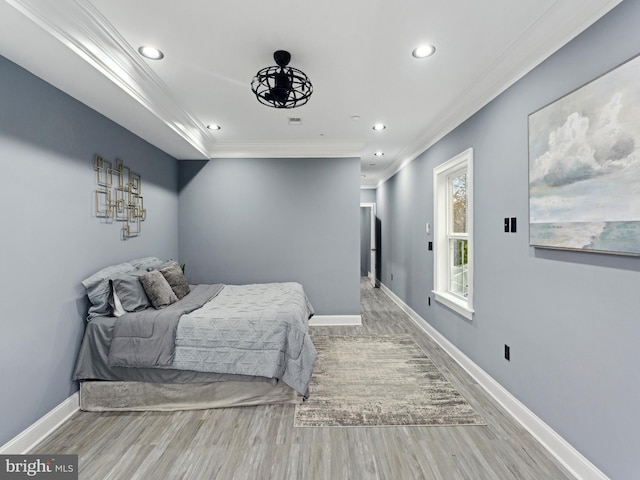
column 379, row 380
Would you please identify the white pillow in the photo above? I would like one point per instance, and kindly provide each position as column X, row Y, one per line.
column 118, row 311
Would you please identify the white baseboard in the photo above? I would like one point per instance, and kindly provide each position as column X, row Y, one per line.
column 335, row 321
column 34, row 434
column 566, row 454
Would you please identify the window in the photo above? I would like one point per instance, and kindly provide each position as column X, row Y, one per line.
column 453, row 218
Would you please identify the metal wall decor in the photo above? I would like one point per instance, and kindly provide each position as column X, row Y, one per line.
column 118, row 196
column 281, row 86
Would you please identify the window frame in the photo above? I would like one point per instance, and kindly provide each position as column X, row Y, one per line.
column 461, row 163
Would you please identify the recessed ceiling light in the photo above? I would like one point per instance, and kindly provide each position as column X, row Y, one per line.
column 213, row 126
column 379, row 153
column 379, row 126
column 355, row 118
column 151, row 53
column 372, row 164
column 423, row 51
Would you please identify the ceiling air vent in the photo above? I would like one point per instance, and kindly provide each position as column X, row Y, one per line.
column 295, row 121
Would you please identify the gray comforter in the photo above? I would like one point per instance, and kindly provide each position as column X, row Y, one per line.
column 148, row 338
column 248, row 330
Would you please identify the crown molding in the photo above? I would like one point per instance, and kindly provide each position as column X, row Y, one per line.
column 292, row 149
column 507, row 70
column 85, row 31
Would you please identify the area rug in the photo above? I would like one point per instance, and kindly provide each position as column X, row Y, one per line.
column 379, row 380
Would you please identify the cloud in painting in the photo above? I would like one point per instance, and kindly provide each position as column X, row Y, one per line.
column 582, row 148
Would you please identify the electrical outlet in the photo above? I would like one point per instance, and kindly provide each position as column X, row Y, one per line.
column 507, row 352
column 513, row 224
column 430, row 246
column 506, row 225
column 429, row 301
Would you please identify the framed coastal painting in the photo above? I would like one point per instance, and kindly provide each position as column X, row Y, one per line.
column 584, row 167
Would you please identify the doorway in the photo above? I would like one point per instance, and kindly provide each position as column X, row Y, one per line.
column 368, row 243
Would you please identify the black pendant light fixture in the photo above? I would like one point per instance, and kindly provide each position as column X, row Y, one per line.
column 281, row 86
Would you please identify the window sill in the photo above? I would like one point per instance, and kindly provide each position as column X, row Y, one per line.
column 456, row 304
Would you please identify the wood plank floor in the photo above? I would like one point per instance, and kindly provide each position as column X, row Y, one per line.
column 261, row 442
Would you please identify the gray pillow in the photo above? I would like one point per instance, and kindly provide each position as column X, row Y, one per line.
column 99, row 289
column 176, row 279
column 161, row 265
column 157, row 289
column 130, row 291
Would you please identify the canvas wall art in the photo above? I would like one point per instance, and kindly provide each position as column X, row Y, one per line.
column 584, row 167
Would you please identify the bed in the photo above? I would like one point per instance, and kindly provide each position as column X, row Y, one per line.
column 214, row 346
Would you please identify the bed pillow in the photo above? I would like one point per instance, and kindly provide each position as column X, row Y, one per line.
column 145, row 263
column 99, row 289
column 157, row 289
column 130, row 291
column 161, row 265
column 175, row 278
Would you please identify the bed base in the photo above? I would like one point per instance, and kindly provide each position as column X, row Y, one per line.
column 108, row 396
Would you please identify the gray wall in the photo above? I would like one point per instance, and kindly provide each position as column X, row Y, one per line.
column 367, row 195
column 571, row 318
column 50, row 241
column 274, row 220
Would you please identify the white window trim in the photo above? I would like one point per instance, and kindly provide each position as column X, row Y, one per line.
column 441, row 173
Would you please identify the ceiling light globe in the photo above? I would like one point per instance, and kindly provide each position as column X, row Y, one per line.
column 151, row 53
column 423, row 51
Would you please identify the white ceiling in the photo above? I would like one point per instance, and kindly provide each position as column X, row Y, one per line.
column 357, row 54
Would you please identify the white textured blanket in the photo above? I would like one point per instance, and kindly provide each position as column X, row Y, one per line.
column 259, row 329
